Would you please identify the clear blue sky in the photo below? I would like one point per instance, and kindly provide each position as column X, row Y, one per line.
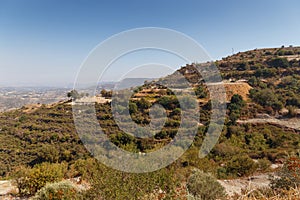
column 45, row 41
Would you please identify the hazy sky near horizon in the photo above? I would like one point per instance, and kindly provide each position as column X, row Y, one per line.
column 44, row 42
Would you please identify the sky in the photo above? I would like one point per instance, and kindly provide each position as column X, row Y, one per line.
column 44, row 42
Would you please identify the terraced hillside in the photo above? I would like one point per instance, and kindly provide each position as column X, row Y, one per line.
column 260, row 84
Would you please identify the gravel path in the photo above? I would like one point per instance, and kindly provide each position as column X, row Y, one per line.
column 236, row 185
column 293, row 123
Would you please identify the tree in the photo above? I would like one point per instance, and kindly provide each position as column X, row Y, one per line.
column 200, row 91
column 253, row 81
column 234, row 116
column 106, row 94
column 237, row 100
column 242, row 66
column 235, row 106
column 73, row 94
column 279, row 62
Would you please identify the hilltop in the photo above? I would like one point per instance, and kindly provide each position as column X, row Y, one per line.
column 274, row 72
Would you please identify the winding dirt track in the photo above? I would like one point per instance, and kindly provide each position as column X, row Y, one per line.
column 293, row 123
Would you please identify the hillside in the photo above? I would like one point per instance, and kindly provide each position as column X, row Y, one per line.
column 260, row 84
column 269, row 78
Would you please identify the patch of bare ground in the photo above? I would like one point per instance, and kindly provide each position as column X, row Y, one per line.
column 235, row 186
column 241, row 88
column 30, row 108
column 8, row 191
column 291, row 57
column 292, row 123
column 97, row 99
column 231, row 88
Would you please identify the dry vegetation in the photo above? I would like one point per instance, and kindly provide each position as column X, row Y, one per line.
column 44, row 137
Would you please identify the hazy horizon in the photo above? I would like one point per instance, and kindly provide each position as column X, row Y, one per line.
column 44, row 43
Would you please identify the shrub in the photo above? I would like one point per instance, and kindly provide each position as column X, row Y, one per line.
column 48, row 153
column 107, row 183
column 201, row 92
column 132, row 107
column 292, row 111
column 253, row 81
column 64, row 190
column 264, row 164
column 288, row 176
column 235, row 106
column 278, row 62
column 106, row 94
column 224, row 150
column 201, row 185
column 242, row 66
column 143, row 104
column 30, row 180
column 266, row 98
column 241, row 166
column 73, row 94
column 169, row 102
column 293, row 101
column 236, row 102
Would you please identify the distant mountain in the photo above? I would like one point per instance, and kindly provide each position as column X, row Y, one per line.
column 132, row 82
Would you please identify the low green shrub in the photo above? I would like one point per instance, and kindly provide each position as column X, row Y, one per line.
column 263, row 164
column 202, row 185
column 30, row 180
column 241, row 165
column 64, row 190
column 110, row 184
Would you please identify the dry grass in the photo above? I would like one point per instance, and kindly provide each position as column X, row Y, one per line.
column 267, row 193
column 237, row 88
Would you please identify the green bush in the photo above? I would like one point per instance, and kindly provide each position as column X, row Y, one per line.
column 30, row 180
column 263, row 164
column 266, row 98
column 235, row 106
column 64, row 190
column 201, row 91
column 48, row 153
column 110, row 184
column 169, row 102
column 278, row 62
column 241, row 165
column 201, row 185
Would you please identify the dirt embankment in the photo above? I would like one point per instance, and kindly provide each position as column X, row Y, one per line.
column 241, row 88
column 231, row 88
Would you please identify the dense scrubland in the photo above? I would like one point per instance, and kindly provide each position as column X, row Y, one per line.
column 39, row 149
